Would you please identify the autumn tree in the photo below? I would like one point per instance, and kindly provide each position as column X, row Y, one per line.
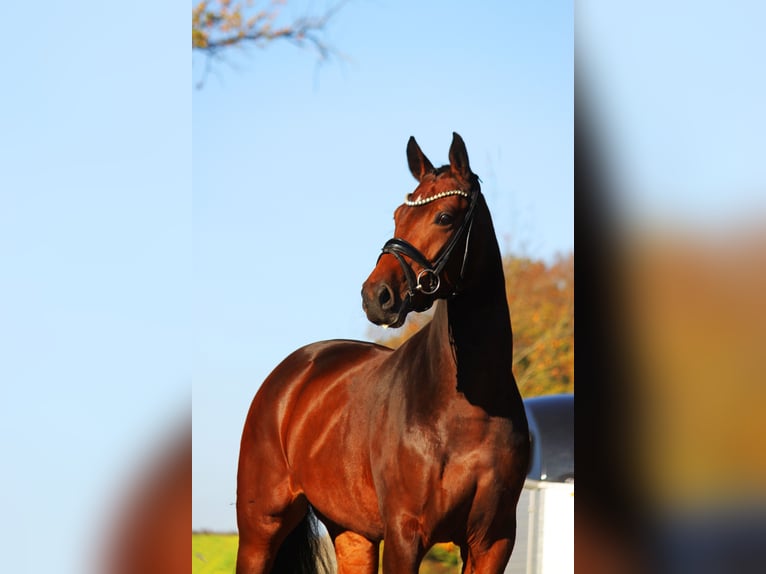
column 541, row 300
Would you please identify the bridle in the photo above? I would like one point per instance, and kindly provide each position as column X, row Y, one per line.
column 428, row 280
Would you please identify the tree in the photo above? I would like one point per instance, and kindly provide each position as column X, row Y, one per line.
column 219, row 26
column 541, row 300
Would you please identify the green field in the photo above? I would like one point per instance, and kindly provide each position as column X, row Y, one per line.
column 217, row 554
column 214, row 553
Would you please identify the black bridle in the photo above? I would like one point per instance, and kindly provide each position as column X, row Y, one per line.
column 428, row 280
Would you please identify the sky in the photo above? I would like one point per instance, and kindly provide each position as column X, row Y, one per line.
column 298, row 167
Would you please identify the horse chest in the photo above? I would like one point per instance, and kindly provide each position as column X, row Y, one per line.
column 450, row 454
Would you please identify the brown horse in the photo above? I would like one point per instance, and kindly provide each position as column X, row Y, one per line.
column 425, row 444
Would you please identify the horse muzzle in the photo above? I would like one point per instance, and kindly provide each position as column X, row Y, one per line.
column 383, row 305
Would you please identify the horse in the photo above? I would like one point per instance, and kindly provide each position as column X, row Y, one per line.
column 424, row 444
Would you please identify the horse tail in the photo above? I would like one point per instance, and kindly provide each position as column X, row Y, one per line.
column 303, row 551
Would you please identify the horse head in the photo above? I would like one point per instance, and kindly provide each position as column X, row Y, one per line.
column 426, row 258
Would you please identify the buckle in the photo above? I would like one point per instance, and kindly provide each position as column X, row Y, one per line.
column 428, row 281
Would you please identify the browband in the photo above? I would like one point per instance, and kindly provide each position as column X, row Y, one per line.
column 424, row 200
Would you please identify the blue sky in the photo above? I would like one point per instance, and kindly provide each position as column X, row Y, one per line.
column 297, row 169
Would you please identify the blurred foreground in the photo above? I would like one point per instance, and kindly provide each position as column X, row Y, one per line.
column 671, row 404
column 149, row 531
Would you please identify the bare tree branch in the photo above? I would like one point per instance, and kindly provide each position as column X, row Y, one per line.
column 220, row 25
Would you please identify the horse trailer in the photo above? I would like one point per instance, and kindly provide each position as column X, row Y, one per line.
column 545, row 513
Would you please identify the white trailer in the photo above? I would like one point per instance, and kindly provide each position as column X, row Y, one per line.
column 545, row 529
column 545, row 513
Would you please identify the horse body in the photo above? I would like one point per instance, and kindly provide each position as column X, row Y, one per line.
column 425, row 444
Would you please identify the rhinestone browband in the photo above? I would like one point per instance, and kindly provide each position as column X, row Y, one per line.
column 424, row 200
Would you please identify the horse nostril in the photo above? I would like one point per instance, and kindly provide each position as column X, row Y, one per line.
column 385, row 297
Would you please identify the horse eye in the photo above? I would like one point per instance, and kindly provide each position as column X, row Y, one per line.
column 444, row 218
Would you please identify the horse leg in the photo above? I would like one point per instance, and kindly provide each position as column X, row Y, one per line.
column 263, row 528
column 267, row 508
column 355, row 554
column 403, row 547
column 487, row 559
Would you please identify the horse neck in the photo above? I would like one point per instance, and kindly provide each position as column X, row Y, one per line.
column 473, row 330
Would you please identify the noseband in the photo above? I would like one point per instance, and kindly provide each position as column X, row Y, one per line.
column 428, row 280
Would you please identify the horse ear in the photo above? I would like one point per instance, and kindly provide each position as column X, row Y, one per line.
column 418, row 162
column 458, row 157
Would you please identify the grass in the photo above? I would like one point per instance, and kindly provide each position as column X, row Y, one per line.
column 213, row 553
column 217, row 554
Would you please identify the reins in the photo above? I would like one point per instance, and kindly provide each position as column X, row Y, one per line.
column 428, row 280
